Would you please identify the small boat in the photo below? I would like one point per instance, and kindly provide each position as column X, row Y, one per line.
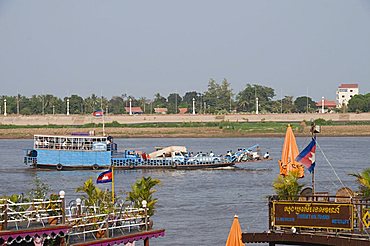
column 250, row 154
column 82, row 151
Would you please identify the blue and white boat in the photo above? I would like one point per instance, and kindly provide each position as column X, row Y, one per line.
column 83, row 151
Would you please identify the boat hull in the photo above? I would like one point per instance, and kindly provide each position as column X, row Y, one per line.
column 134, row 167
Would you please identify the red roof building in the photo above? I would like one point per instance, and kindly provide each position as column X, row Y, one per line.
column 134, row 110
column 327, row 104
column 160, row 110
column 348, row 86
column 345, row 92
column 183, row 110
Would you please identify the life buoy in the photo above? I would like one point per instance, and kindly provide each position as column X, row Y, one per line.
column 131, row 165
column 95, row 167
column 59, row 167
column 174, row 165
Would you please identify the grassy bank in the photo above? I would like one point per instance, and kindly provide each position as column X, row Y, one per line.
column 191, row 129
column 248, row 126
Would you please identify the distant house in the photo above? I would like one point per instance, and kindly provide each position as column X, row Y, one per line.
column 183, row 110
column 328, row 105
column 345, row 92
column 134, row 110
column 160, row 110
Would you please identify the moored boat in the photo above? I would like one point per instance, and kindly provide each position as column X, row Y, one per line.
column 97, row 152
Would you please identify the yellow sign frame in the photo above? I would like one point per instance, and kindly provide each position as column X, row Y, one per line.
column 301, row 203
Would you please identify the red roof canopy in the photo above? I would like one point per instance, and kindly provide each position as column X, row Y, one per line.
column 134, row 110
column 183, row 110
column 348, row 86
column 327, row 104
column 160, row 110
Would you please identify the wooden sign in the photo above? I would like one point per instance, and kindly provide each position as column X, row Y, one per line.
column 313, row 215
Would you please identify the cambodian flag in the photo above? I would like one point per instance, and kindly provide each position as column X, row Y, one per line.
column 307, row 156
column 104, row 177
column 98, row 113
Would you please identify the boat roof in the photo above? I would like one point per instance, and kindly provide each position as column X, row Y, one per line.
column 67, row 136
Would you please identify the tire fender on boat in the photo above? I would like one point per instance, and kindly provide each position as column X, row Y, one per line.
column 174, row 165
column 95, row 167
column 59, row 167
column 131, row 165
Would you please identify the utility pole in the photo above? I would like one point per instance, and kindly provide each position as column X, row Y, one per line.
column 67, row 106
column 17, row 103
column 175, row 103
column 130, row 106
column 256, row 105
column 281, row 101
column 43, row 104
column 193, row 105
column 5, row 114
column 230, row 101
column 322, row 105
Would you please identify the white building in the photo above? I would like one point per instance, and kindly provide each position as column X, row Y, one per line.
column 345, row 92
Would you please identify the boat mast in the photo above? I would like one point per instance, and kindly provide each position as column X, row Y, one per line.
column 101, row 108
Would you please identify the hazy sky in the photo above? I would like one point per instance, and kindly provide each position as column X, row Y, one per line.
column 143, row 47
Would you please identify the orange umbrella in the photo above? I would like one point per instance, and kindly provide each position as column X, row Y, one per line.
column 289, row 153
column 235, row 234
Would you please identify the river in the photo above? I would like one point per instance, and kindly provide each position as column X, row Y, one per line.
column 197, row 207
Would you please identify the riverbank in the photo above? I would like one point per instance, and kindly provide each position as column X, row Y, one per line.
column 191, row 132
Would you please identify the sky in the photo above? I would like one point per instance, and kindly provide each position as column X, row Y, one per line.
column 139, row 48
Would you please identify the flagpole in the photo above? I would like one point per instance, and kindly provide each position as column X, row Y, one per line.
column 101, row 108
column 313, row 135
column 112, row 184
column 103, row 125
column 313, row 181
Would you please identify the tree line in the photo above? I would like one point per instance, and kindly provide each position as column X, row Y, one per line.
column 218, row 99
column 359, row 103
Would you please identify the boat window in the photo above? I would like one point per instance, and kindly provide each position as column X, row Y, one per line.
column 70, row 143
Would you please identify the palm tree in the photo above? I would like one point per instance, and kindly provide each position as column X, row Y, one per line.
column 95, row 197
column 143, row 189
column 364, row 182
column 287, row 187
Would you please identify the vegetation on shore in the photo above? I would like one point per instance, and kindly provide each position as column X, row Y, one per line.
column 219, row 98
column 191, row 129
column 222, row 125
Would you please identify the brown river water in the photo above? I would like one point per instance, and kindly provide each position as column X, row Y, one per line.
column 196, row 207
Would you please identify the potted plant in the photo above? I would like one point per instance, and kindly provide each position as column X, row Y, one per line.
column 52, row 209
column 94, row 197
column 143, row 189
column 39, row 189
column 363, row 179
column 287, row 187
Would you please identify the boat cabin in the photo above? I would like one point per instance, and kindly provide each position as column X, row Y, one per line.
column 85, row 143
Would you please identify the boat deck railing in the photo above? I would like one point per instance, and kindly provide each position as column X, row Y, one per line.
column 89, row 226
column 21, row 215
column 86, row 223
column 84, row 143
column 166, row 162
